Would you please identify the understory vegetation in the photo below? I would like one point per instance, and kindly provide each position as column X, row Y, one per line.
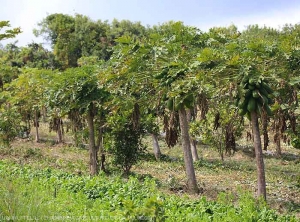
column 49, row 182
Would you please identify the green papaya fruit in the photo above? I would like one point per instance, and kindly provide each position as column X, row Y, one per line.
column 270, row 101
column 170, row 104
column 252, row 82
column 267, row 88
column 179, row 106
column 178, row 103
column 268, row 110
column 263, row 100
column 263, row 91
column 245, row 79
column 189, row 101
column 248, row 93
column 242, row 112
column 248, row 115
column 251, row 106
column 190, row 97
column 243, row 103
column 164, row 97
column 251, row 87
column 257, row 85
column 255, row 94
column 258, row 109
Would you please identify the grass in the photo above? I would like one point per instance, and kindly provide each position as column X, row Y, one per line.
column 235, row 173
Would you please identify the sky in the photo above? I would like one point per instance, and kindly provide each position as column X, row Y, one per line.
column 203, row 14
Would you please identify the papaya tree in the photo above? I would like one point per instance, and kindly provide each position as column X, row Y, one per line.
column 77, row 90
column 28, row 95
column 170, row 53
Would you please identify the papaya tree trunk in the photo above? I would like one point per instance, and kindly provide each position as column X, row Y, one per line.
column 186, row 147
column 44, row 114
column 261, row 181
column 192, row 141
column 264, row 119
column 36, row 120
column 59, row 131
column 277, row 138
column 194, row 150
column 99, row 147
column 156, row 148
column 92, row 144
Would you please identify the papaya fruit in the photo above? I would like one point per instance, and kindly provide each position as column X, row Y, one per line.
column 248, row 93
column 248, row 115
column 268, row 110
column 267, row 88
column 251, row 87
column 170, row 104
column 245, row 79
column 242, row 103
column 251, row 106
column 242, row 112
column 252, row 82
column 246, row 86
column 257, row 85
column 189, row 101
column 178, row 103
column 258, row 109
column 270, row 101
column 179, row 106
column 255, row 94
column 164, row 97
column 189, row 97
column 263, row 91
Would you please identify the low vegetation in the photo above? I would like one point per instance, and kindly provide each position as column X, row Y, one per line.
column 44, row 181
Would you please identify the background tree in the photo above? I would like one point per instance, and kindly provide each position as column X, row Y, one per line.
column 8, row 33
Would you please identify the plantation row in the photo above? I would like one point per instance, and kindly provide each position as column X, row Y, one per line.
column 112, row 89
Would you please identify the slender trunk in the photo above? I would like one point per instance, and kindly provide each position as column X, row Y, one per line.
column 277, row 136
column 156, row 148
column 194, row 150
column 100, row 149
column 44, row 113
column 192, row 141
column 264, row 119
column 261, row 181
column 92, row 145
column 186, row 147
column 59, row 131
column 277, row 141
column 36, row 119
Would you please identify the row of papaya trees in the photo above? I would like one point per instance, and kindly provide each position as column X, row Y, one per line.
column 192, row 85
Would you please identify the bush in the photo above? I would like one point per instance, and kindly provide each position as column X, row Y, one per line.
column 126, row 146
column 124, row 139
column 9, row 125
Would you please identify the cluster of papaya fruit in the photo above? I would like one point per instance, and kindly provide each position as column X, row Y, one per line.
column 168, row 75
column 178, row 103
column 253, row 95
